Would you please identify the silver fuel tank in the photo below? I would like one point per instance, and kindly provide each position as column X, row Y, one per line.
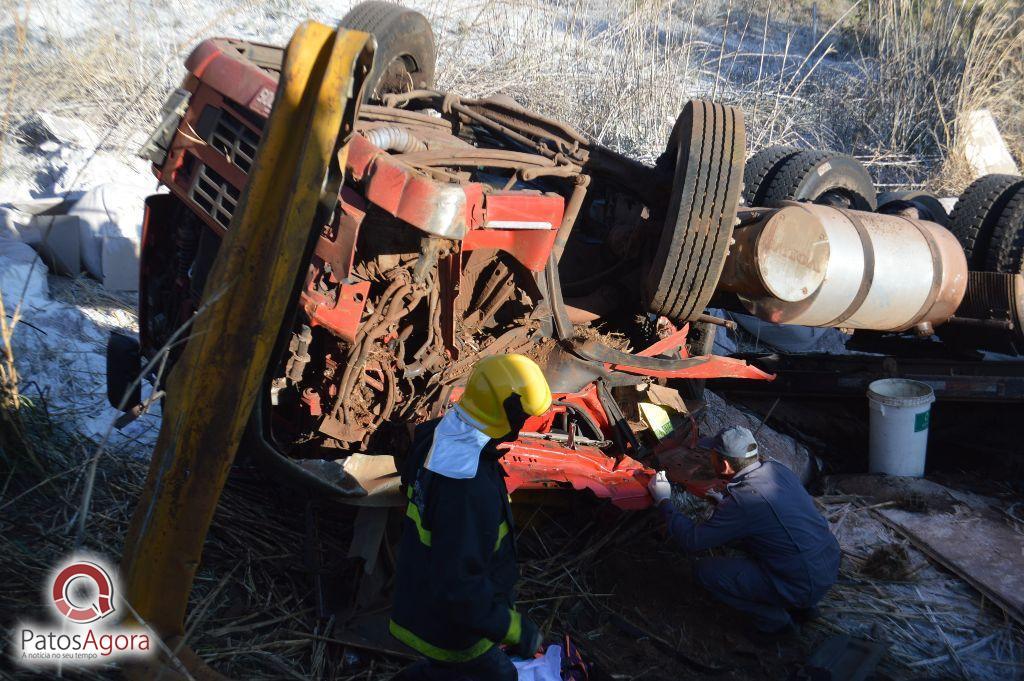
column 821, row 266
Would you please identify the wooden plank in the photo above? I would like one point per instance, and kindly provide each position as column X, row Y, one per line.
column 979, row 548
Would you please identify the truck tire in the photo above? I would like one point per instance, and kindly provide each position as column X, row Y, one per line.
column 1006, row 252
column 926, row 200
column 974, row 216
column 822, row 177
column 406, row 56
column 708, row 146
column 760, row 169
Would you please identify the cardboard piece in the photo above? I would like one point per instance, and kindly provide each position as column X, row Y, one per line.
column 367, row 535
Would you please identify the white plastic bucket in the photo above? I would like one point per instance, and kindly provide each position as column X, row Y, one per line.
column 900, row 412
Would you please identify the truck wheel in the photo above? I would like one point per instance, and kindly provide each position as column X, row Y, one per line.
column 1006, row 252
column 708, row 146
column 760, row 169
column 975, row 215
column 406, row 57
column 824, row 177
column 925, row 202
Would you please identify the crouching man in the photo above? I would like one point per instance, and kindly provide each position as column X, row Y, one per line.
column 793, row 559
column 456, row 576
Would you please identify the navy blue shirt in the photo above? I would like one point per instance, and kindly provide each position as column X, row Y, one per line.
column 772, row 516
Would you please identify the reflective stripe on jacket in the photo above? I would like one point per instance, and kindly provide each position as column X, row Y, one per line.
column 455, row 583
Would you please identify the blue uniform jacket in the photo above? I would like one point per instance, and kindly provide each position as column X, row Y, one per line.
column 773, row 517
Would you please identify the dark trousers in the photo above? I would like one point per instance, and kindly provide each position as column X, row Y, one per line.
column 493, row 665
column 742, row 584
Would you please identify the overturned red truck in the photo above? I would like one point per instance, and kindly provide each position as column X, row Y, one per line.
column 470, row 227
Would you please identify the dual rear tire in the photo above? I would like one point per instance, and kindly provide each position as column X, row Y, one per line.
column 988, row 220
column 780, row 173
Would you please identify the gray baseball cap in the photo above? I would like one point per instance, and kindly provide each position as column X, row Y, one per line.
column 734, row 442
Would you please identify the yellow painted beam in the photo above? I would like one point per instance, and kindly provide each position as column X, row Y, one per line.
column 213, row 386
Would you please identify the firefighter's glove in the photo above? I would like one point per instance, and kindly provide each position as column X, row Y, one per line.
column 660, row 488
column 529, row 640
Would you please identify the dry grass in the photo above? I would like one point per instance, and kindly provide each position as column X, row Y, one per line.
column 932, row 63
column 251, row 610
column 886, row 80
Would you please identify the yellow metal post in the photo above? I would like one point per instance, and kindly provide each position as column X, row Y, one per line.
column 213, row 386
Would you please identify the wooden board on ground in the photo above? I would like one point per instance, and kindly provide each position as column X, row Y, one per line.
column 975, row 544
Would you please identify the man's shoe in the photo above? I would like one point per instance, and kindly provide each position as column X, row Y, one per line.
column 784, row 634
column 804, row 615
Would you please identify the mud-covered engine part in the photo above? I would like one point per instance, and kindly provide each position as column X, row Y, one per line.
column 991, row 315
column 430, row 311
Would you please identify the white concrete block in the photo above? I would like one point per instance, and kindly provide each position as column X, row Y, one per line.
column 983, row 146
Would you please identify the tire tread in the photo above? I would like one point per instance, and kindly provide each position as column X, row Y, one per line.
column 699, row 240
column 794, row 172
column 1006, row 252
column 974, row 215
column 760, row 169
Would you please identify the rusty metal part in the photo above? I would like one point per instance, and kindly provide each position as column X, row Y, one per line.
column 397, row 308
column 651, row 185
column 991, row 314
column 566, row 170
column 476, row 156
column 504, row 111
column 299, row 347
column 994, row 324
column 883, row 272
column 214, row 386
column 572, row 212
column 508, row 111
column 370, row 112
column 432, row 323
column 449, row 103
column 484, row 120
column 717, row 321
column 600, row 302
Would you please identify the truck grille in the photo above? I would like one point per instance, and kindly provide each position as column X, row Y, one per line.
column 214, row 194
column 237, row 142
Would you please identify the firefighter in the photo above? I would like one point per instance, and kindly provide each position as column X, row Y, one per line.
column 793, row 557
column 456, row 575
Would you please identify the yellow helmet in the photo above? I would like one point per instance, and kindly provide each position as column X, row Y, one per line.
column 493, row 380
